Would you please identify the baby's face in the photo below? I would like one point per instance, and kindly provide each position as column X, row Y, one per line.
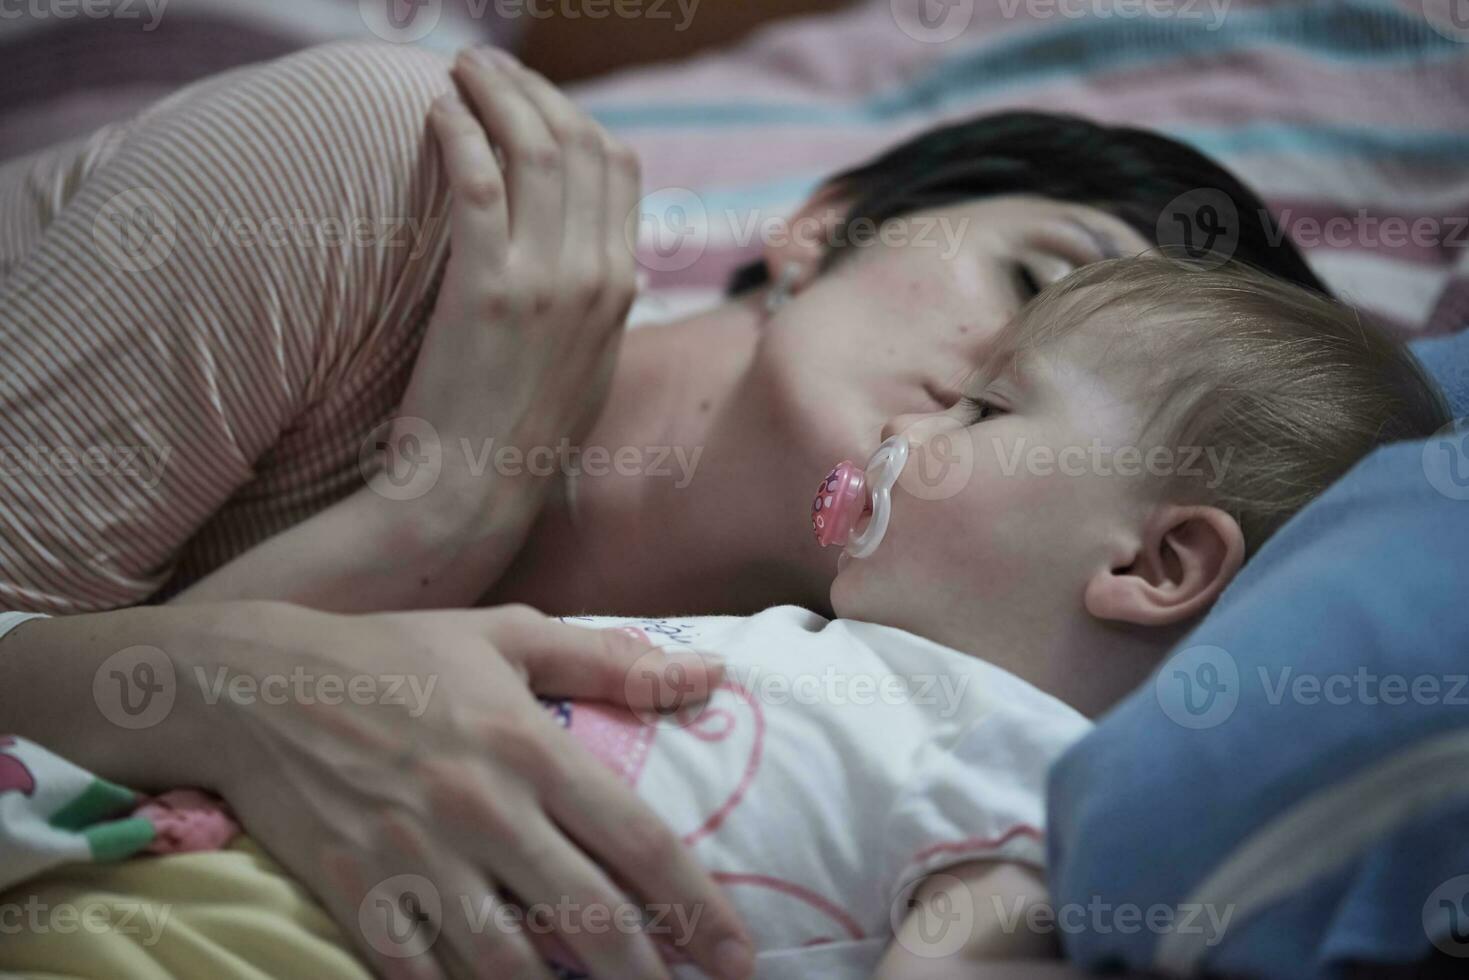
column 1009, row 503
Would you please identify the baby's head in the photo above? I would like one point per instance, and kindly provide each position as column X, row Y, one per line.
column 1140, row 430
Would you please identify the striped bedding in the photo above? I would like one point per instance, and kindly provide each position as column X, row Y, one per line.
column 1351, row 117
column 69, row 73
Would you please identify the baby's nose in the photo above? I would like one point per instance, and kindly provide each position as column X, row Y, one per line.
column 899, row 423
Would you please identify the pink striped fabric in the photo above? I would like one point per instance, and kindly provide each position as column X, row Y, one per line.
column 1355, row 110
column 203, row 313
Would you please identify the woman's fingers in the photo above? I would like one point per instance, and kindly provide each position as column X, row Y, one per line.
column 623, row 194
column 480, row 221
column 490, row 942
column 622, row 834
column 600, row 925
column 387, row 912
column 479, row 936
column 582, row 142
column 533, row 158
column 600, row 200
column 620, row 666
column 428, row 914
column 556, row 883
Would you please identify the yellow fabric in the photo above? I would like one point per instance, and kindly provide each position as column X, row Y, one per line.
column 223, row 915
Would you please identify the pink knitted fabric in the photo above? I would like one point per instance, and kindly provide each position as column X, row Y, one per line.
column 188, row 820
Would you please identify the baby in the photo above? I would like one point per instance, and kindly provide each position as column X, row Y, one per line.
column 871, row 789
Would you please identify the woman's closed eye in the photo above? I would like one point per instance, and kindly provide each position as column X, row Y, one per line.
column 1027, row 286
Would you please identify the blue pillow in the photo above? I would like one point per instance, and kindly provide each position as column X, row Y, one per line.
column 1290, row 793
column 1447, row 360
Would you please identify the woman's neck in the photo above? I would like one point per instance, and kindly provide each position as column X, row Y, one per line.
column 683, row 500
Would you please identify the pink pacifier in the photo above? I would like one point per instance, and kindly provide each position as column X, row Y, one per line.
column 847, row 494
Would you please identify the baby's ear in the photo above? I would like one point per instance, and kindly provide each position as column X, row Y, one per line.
column 1182, row 561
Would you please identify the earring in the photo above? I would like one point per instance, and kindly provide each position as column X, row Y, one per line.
column 780, row 292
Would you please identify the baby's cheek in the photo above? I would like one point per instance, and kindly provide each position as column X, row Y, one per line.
column 870, row 588
column 860, row 592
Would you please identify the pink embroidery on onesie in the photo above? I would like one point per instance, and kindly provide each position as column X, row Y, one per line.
column 13, row 772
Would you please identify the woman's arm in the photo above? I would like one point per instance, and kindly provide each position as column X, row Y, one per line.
column 517, row 356
column 221, row 303
column 52, row 671
column 211, row 309
column 368, row 552
column 359, row 750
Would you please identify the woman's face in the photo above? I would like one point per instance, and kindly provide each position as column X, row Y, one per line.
column 896, row 327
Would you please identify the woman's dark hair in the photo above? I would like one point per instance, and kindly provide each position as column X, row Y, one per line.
column 1130, row 173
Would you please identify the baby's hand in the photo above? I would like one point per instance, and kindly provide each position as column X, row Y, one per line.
column 972, row 918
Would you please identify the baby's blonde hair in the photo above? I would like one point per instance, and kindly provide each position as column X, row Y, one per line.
column 1291, row 387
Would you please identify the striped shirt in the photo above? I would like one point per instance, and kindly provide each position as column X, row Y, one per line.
column 204, row 311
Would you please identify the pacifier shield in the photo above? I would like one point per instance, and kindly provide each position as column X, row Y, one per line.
column 839, row 503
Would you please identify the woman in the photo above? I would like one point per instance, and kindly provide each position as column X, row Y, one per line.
column 301, row 207
column 160, row 296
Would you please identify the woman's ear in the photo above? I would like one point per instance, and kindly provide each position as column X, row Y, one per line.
column 1180, row 565
column 795, row 255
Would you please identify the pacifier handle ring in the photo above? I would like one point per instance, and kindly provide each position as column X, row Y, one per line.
column 892, row 455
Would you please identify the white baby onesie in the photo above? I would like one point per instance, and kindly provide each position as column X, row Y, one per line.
column 838, row 764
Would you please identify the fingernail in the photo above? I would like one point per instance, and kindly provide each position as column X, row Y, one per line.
column 493, row 57
column 694, row 658
column 733, row 960
column 401, row 969
column 635, row 633
column 397, row 970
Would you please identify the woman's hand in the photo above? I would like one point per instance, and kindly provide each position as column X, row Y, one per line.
column 396, row 765
column 517, row 356
column 411, row 820
column 528, row 321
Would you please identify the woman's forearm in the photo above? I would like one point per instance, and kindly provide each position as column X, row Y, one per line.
column 369, row 552
column 116, row 692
